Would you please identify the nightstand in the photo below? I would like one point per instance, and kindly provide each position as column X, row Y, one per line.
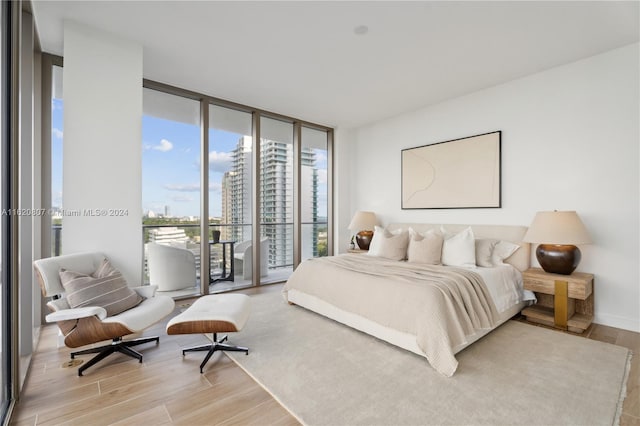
column 564, row 301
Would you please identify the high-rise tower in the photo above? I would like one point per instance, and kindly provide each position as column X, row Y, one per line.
column 276, row 198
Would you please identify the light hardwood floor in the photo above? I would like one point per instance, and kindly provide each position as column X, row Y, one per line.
column 168, row 389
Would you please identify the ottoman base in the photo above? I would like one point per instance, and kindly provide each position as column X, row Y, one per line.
column 220, row 313
column 216, row 345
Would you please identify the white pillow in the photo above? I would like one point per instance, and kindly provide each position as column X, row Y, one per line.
column 459, row 249
column 484, row 251
column 425, row 247
column 502, row 251
column 379, row 233
column 390, row 245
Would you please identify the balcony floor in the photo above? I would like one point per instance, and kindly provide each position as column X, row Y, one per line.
column 275, row 276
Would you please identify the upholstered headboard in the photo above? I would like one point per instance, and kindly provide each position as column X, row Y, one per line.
column 521, row 259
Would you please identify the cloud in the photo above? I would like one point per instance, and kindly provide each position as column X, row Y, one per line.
column 182, row 198
column 57, row 133
column 163, row 146
column 220, row 161
column 190, row 187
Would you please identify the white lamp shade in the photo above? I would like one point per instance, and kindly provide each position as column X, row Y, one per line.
column 363, row 221
column 557, row 228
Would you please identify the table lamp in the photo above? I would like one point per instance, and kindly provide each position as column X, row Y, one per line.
column 557, row 233
column 363, row 224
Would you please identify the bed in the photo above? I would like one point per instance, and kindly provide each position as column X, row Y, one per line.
column 433, row 311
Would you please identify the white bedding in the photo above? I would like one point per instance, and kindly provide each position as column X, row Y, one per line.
column 391, row 307
column 505, row 286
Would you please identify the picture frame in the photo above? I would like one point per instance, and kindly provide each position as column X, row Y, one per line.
column 454, row 174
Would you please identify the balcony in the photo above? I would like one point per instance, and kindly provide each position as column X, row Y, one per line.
column 187, row 236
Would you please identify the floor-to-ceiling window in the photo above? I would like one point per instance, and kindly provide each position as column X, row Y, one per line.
column 230, row 197
column 276, row 196
column 314, row 193
column 171, row 164
column 4, row 166
column 10, row 15
column 250, row 184
column 171, row 185
column 57, row 133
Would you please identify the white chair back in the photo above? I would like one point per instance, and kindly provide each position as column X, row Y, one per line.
column 171, row 268
column 48, row 270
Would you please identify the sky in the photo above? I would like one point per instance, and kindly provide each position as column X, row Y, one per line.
column 171, row 165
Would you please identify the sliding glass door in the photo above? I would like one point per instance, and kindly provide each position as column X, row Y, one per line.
column 230, row 198
column 171, row 182
column 314, row 193
column 276, row 197
column 279, row 184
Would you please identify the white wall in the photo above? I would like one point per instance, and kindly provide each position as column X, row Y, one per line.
column 570, row 138
column 343, row 164
column 102, row 149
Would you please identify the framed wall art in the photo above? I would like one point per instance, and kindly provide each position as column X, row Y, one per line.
column 460, row 173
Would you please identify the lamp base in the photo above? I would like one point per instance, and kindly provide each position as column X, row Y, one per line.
column 363, row 238
column 558, row 259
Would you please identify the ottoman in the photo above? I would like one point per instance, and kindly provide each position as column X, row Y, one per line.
column 215, row 314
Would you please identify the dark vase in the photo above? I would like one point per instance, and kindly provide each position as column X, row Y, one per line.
column 558, row 259
column 216, row 236
column 363, row 238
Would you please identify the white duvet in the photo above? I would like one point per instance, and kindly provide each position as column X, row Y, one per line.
column 505, row 286
column 441, row 306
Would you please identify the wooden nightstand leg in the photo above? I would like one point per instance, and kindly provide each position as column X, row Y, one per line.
column 561, row 308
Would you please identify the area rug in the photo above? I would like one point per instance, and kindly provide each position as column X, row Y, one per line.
column 326, row 373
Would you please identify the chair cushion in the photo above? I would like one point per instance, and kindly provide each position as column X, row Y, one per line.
column 106, row 288
column 147, row 313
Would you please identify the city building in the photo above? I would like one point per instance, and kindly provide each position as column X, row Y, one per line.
column 276, row 198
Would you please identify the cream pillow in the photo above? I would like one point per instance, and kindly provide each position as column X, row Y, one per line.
column 459, row 249
column 390, row 245
column 502, row 251
column 425, row 247
column 484, row 251
column 106, row 288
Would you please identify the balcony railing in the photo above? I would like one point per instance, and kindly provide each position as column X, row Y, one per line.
column 280, row 236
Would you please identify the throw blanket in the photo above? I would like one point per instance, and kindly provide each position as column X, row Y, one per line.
column 440, row 305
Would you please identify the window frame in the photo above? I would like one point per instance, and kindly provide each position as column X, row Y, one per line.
column 257, row 114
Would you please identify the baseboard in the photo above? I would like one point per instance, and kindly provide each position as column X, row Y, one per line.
column 630, row 324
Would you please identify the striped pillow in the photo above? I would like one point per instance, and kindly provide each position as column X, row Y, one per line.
column 106, row 288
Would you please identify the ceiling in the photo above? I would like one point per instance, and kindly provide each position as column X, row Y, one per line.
column 304, row 59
